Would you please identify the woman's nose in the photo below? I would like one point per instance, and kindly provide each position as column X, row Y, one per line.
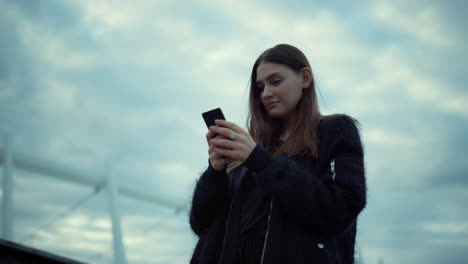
column 266, row 93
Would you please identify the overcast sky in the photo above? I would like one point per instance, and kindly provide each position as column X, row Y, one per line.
column 89, row 83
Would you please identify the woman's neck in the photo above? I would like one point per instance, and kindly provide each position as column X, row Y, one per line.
column 285, row 135
column 287, row 125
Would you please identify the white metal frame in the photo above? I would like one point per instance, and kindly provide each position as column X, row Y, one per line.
column 12, row 160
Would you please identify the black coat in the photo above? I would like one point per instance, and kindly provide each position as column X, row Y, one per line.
column 313, row 206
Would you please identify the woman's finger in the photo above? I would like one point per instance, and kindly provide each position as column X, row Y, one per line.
column 214, row 156
column 230, row 125
column 217, row 163
column 220, row 137
column 211, row 149
column 225, row 143
column 225, row 132
column 209, row 135
column 228, row 153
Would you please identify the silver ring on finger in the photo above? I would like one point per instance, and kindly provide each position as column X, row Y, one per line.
column 232, row 136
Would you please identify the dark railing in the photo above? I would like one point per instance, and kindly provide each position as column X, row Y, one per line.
column 13, row 253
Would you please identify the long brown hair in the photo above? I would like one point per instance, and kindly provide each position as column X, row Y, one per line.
column 266, row 131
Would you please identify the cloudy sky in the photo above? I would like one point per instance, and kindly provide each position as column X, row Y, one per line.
column 93, row 84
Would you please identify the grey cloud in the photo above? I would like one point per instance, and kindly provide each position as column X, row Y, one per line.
column 111, row 95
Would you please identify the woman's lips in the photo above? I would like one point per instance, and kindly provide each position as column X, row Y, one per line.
column 272, row 105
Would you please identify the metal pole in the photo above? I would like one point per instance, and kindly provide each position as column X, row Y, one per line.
column 7, row 212
column 119, row 249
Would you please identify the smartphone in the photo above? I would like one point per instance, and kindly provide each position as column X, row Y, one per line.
column 212, row 115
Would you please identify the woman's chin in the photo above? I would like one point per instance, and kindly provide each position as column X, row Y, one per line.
column 275, row 114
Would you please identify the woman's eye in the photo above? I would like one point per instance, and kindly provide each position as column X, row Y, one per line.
column 276, row 82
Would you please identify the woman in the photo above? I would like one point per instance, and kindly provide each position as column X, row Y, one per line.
column 295, row 181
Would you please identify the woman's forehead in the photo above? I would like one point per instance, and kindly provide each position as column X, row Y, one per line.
column 267, row 69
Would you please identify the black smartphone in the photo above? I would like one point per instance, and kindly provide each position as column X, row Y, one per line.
column 212, row 115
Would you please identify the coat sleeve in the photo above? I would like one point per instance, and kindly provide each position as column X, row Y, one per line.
column 324, row 207
column 210, row 196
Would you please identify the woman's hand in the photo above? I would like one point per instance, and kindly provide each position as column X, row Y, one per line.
column 216, row 159
column 232, row 142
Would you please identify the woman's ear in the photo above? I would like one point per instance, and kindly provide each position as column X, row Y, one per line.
column 306, row 76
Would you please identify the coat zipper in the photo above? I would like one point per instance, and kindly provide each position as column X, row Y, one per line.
column 268, row 229
column 226, row 232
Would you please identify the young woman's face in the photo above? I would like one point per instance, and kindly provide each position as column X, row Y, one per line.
column 280, row 89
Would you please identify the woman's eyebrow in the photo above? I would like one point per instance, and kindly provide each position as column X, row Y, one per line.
column 268, row 77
